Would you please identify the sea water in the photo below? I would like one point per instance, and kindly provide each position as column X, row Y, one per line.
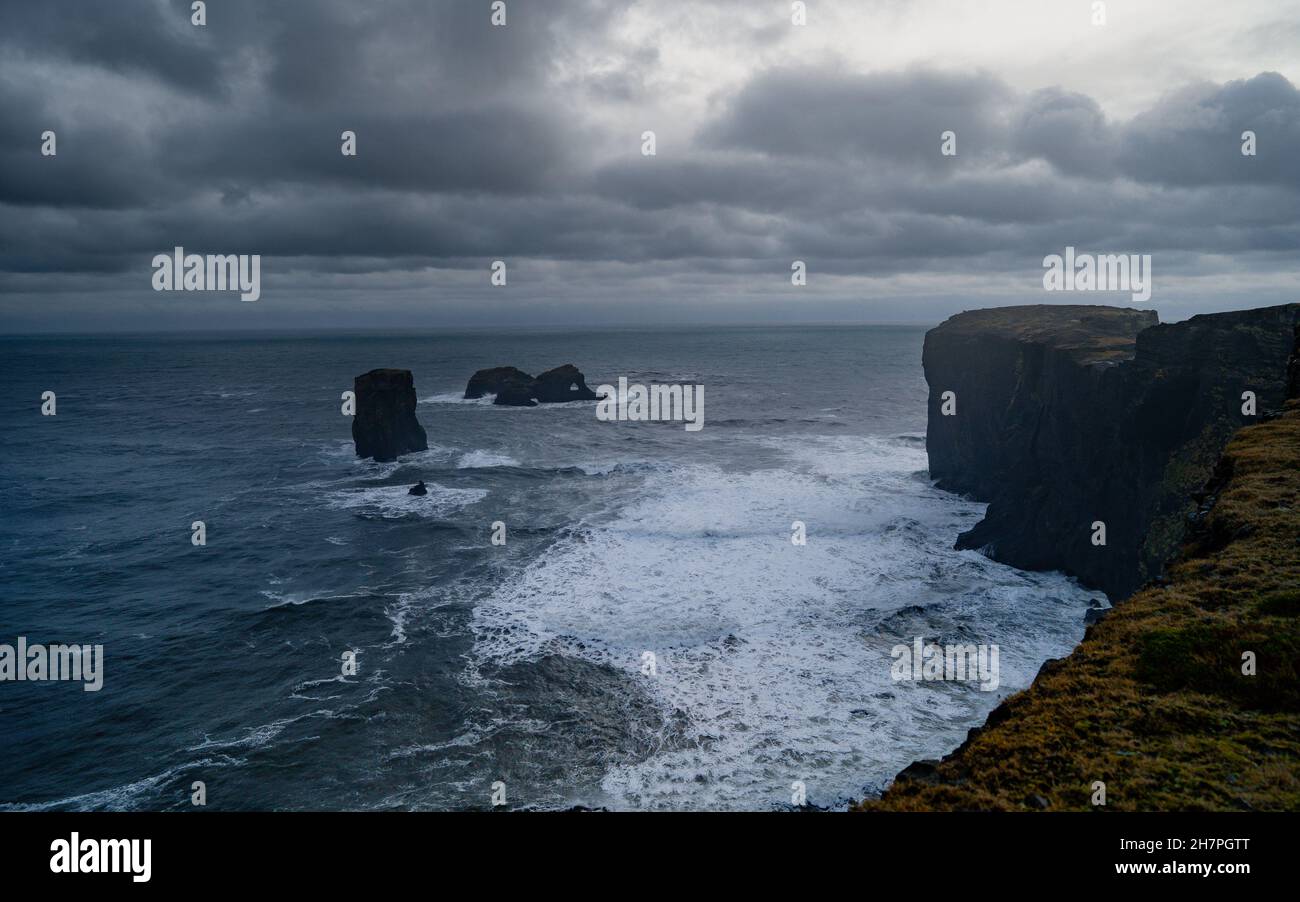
column 523, row 663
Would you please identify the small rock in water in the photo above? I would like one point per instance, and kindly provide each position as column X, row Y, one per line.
column 418, row 489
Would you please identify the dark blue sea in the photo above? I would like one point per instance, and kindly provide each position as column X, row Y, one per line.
column 520, row 663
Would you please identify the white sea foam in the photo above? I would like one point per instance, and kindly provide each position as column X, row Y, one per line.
column 489, row 401
column 778, row 655
column 344, row 452
column 139, row 794
column 295, row 599
column 395, row 501
column 624, row 465
column 457, row 398
column 475, row 460
column 399, row 611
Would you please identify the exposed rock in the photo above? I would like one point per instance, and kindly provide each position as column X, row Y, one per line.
column 1293, row 368
column 495, row 380
column 515, row 396
column 418, row 489
column 922, row 771
column 1068, row 415
column 1095, row 615
column 385, row 425
column 564, row 383
column 515, row 388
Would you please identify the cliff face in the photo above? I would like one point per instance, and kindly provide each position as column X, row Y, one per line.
column 1069, row 415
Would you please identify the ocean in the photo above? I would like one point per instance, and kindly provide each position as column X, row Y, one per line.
column 521, row 665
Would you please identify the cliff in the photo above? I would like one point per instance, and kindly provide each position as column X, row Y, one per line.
column 1154, row 702
column 1187, row 695
column 1067, row 416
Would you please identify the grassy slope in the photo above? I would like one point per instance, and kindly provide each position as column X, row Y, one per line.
column 1153, row 702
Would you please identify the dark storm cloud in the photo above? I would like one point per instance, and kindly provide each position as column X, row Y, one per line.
column 818, row 150
column 99, row 163
column 440, row 100
column 153, row 40
column 478, row 143
column 1067, row 130
column 1193, row 137
column 889, row 116
column 497, row 149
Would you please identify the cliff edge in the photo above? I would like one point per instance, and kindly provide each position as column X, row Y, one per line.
column 1065, row 417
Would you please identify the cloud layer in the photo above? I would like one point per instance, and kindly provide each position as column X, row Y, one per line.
column 523, row 143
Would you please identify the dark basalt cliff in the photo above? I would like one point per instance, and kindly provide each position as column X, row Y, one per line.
column 385, row 425
column 1155, row 706
column 1069, row 415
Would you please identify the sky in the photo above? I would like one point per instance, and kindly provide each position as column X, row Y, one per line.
column 774, row 141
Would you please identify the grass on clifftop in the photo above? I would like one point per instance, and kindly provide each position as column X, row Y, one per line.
column 1153, row 702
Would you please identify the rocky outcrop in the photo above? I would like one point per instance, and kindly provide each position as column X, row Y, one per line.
column 385, row 425
column 513, row 387
column 515, row 396
column 495, row 380
column 564, row 383
column 1063, row 417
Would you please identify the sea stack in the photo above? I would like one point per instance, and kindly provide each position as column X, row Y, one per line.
column 385, row 425
column 495, row 380
column 564, row 383
column 515, row 388
column 1065, row 417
